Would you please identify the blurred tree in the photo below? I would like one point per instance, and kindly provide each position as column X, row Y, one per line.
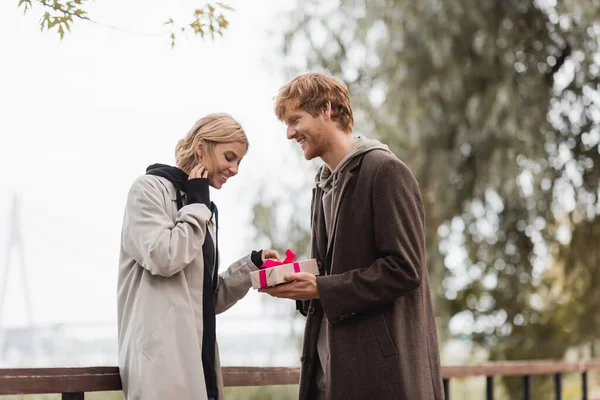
column 494, row 105
column 281, row 220
column 60, row 14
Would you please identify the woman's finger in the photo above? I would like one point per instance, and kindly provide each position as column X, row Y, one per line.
column 270, row 254
column 194, row 171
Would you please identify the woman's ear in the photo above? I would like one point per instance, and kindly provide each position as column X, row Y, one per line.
column 200, row 148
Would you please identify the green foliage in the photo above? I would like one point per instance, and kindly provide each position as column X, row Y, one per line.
column 287, row 392
column 207, row 20
column 59, row 14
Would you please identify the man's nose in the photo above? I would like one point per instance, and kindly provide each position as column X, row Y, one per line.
column 291, row 132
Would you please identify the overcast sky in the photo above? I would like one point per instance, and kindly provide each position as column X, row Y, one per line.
column 81, row 118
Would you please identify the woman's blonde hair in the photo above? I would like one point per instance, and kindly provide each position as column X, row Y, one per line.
column 206, row 133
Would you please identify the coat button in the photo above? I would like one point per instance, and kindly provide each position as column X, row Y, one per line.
column 342, row 317
column 311, row 310
column 302, row 359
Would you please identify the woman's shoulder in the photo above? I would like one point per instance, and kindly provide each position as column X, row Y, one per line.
column 145, row 185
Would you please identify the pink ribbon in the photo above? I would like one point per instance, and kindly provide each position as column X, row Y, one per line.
column 289, row 259
column 262, row 274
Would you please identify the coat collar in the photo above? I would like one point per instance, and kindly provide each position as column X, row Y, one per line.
column 347, row 174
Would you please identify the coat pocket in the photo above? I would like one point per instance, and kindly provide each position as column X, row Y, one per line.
column 383, row 335
column 156, row 339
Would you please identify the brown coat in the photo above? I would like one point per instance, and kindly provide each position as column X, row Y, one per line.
column 382, row 337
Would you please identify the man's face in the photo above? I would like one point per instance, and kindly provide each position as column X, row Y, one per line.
column 310, row 132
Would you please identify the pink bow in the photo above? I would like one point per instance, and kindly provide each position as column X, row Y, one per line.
column 289, row 257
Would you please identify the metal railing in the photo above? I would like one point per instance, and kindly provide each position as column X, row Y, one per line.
column 72, row 383
column 525, row 369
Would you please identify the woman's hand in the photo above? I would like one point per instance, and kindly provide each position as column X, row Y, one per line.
column 270, row 254
column 199, row 171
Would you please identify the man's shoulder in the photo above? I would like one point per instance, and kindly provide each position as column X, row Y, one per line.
column 385, row 163
column 380, row 157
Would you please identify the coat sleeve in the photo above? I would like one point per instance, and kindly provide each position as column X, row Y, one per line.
column 151, row 237
column 399, row 232
column 234, row 283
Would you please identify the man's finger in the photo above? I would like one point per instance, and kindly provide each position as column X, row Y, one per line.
column 290, row 277
column 297, row 276
column 274, row 289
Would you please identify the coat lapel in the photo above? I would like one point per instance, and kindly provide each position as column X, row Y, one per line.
column 346, row 178
column 319, row 234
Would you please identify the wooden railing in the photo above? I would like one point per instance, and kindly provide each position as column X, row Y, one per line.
column 72, row 383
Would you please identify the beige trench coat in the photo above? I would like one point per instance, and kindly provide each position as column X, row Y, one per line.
column 160, row 294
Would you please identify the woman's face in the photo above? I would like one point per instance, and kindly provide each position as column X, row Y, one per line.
column 227, row 157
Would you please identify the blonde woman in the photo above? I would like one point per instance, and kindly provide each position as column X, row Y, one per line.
column 169, row 289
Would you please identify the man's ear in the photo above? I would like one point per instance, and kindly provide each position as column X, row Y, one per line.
column 326, row 110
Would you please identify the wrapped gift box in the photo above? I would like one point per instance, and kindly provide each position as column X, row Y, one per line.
column 272, row 276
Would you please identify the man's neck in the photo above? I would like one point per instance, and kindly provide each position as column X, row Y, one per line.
column 340, row 146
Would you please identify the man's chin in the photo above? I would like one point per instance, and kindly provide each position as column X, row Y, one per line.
column 308, row 155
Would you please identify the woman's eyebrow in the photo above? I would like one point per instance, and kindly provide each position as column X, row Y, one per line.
column 232, row 153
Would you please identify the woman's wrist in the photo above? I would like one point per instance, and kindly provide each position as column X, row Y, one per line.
column 256, row 258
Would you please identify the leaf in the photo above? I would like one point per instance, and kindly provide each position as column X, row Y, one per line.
column 225, row 6
column 170, row 21
column 52, row 22
column 222, row 22
column 27, row 5
column 45, row 20
column 61, row 31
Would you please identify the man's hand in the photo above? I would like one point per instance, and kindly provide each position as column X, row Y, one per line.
column 300, row 286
